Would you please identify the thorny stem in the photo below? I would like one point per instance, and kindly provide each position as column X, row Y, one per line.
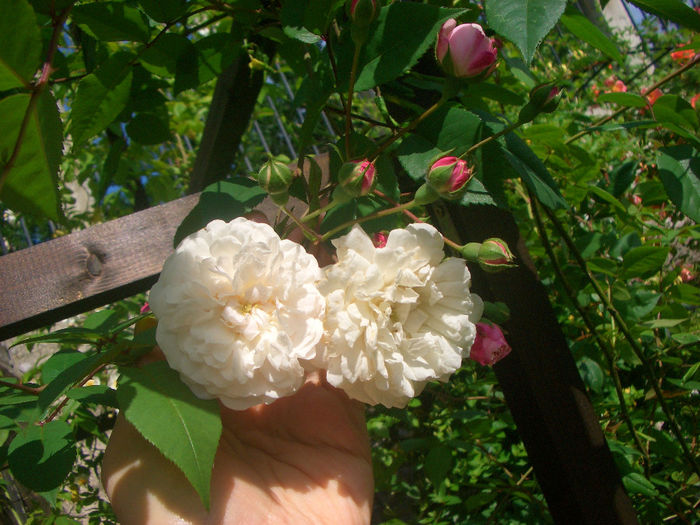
column 415, row 218
column 34, row 390
column 603, row 345
column 667, row 78
column 381, row 213
column 490, row 138
column 310, row 234
column 37, row 89
column 348, row 104
column 388, row 142
column 636, row 348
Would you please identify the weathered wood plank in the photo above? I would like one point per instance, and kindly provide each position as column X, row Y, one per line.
column 81, row 271
column 543, row 389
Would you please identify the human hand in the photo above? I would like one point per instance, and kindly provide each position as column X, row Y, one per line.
column 302, row 459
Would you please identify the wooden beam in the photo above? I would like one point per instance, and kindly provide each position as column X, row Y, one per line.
column 542, row 386
column 60, row 278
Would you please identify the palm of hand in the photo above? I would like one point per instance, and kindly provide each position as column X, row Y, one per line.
column 303, row 459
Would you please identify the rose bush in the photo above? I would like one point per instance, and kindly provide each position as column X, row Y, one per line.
column 239, row 312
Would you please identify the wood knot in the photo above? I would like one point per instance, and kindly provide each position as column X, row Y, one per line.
column 94, row 265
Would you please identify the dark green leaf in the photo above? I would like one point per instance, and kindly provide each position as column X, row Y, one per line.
column 673, row 10
column 308, row 17
column 224, row 200
column 438, row 463
column 533, row 172
column 675, row 110
column 102, row 321
column 42, row 456
column 629, row 100
column 214, row 54
column 604, row 195
column 71, row 335
column 149, row 127
column 525, row 23
column 591, row 373
column 636, row 483
column 642, row 303
column 449, row 128
column 94, row 394
column 162, row 57
column 399, row 37
column 679, row 170
column 622, row 176
column 31, row 183
column 585, row 30
column 164, row 410
column 66, row 379
column 20, row 44
column 164, row 11
column 60, row 361
column 643, row 262
column 112, row 21
column 101, row 96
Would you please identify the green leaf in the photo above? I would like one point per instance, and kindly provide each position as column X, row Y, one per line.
column 643, row 262
column 675, row 110
column 533, row 172
column 162, row 57
column 42, row 456
column 449, row 128
column 636, row 483
column 438, row 463
column 101, row 96
column 524, row 22
column 95, row 395
column 629, row 100
column 150, row 127
column 60, row 361
column 71, row 335
column 303, row 18
column 673, row 10
column 164, row 11
column 31, row 184
column 223, row 200
column 591, row 373
column 642, row 303
column 679, row 169
column 112, row 21
column 604, row 195
column 398, row 38
column 585, row 30
column 101, row 321
column 20, row 44
column 65, row 380
column 164, row 410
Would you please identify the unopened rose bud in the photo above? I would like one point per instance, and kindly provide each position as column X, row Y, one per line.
column 356, row 177
column 363, row 12
column 379, row 239
column 543, row 99
column 464, row 51
column 490, row 345
column 493, row 255
column 449, row 176
column 275, row 177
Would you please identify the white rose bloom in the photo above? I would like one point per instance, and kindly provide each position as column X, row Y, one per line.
column 397, row 317
column 238, row 311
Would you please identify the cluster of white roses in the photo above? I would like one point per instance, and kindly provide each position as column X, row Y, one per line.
column 244, row 315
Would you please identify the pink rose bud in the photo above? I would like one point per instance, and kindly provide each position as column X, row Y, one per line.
column 490, row 346
column 686, row 274
column 694, row 100
column 357, row 177
column 493, row 255
column 654, row 96
column 379, row 239
column 464, row 50
column 145, row 308
column 363, row 12
column 449, row 176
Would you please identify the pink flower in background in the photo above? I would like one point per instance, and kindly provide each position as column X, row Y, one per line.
column 490, row 345
column 686, row 274
column 694, row 100
column 683, row 55
column 654, row 96
column 619, row 87
column 464, row 50
column 145, row 308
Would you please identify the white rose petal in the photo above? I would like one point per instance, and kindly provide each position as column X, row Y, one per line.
column 239, row 312
column 397, row 317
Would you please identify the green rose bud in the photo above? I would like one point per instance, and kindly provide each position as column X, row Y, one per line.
column 275, row 177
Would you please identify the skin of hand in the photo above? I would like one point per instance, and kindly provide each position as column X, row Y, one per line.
column 304, row 459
